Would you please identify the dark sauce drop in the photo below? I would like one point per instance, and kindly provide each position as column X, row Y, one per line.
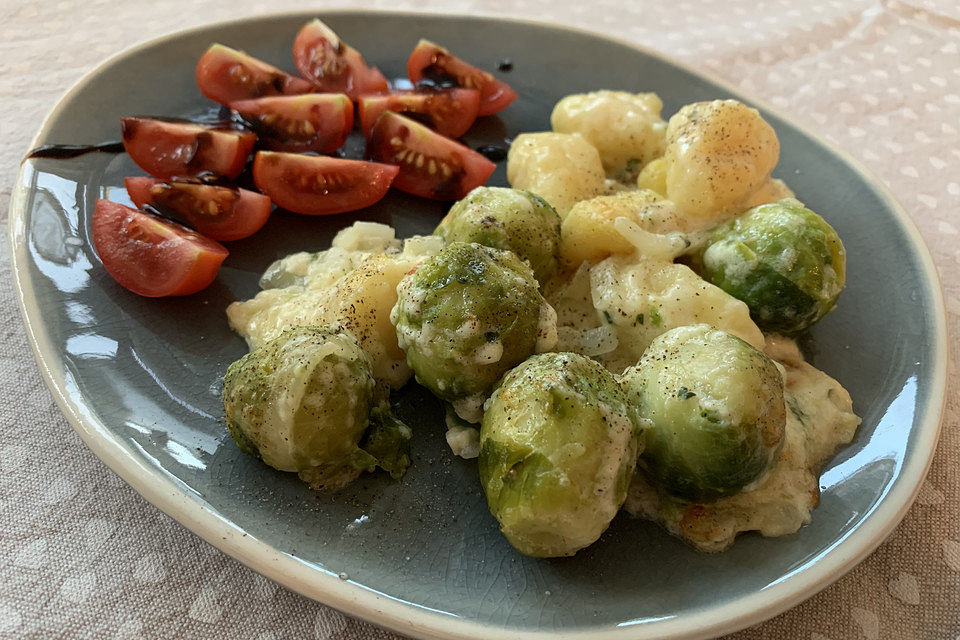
column 67, row 151
column 493, row 152
column 506, row 65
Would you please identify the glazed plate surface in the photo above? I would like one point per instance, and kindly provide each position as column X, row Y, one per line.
column 139, row 379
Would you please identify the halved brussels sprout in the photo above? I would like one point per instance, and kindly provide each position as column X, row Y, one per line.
column 465, row 317
column 783, row 260
column 716, row 409
column 558, row 445
column 510, row 219
column 302, row 402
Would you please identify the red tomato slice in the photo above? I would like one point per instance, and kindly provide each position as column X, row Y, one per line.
column 431, row 166
column 333, row 66
column 226, row 75
column 318, row 185
column 441, row 68
column 151, row 256
column 220, row 213
column 317, row 122
column 450, row 113
column 185, row 150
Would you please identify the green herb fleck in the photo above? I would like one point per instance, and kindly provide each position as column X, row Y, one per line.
column 607, row 316
column 640, row 319
column 685, row 394
column 655, row 318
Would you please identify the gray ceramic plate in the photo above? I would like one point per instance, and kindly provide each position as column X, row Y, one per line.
column 139, row 378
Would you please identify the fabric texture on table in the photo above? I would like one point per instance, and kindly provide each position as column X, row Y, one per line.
column 83, row 556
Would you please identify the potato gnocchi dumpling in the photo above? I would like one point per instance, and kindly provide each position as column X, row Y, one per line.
column 718, row 153
column 561, row 168
column 654, row 177
column 642, row 299
column 626, row 128
column 352, row 284
column 589, row 231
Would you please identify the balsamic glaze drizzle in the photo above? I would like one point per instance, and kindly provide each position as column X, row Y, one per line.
column 67, row 151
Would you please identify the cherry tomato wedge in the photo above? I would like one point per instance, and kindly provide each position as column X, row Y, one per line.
column 226, row 75
column 431, row 166
column 184, row 150
column 317, row 122
column 333, row 66
column 439, row 67
column 151, row 256
column 318, row 185
column 450, row 113
column 219, row 213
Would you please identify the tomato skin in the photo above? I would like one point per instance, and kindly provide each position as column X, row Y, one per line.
column 332, row 65
column 319, row 185
column 219, row 213
column 437, row 65
column 226, row 75
column 431, row 166
column 151, row 256
column 317, row 122
column 450, row 113
column 185, row 150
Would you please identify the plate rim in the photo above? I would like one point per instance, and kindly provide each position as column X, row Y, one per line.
column 409, row 618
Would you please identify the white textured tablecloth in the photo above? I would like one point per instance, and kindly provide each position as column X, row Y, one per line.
column 82, row 555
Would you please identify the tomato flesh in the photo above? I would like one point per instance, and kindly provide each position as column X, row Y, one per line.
column 432, row 64
column 319, row 185
column 317, row 122
column 219, row 213
column 333, row 66
column 450, row 113
column 226, row 75
column 431, row 166
column 151, row 256
column 185, row 150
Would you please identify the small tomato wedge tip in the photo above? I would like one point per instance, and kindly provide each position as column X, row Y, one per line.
column 332, row 65
column 437, row 66
column 450, row 112
column 431, row 166
column 185, row 150
column 317, row 122
column 319, row 185
column 219, row 213
column 151, row 256
column 226, row 75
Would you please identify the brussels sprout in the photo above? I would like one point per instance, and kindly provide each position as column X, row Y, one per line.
column 716, row 408
column 510, row 219
column 302, row 402
column 783, row 260
column 558, row 445
column 465, row 317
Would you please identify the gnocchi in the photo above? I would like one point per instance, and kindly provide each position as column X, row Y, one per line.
column 626, row 128
column 561, row 168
